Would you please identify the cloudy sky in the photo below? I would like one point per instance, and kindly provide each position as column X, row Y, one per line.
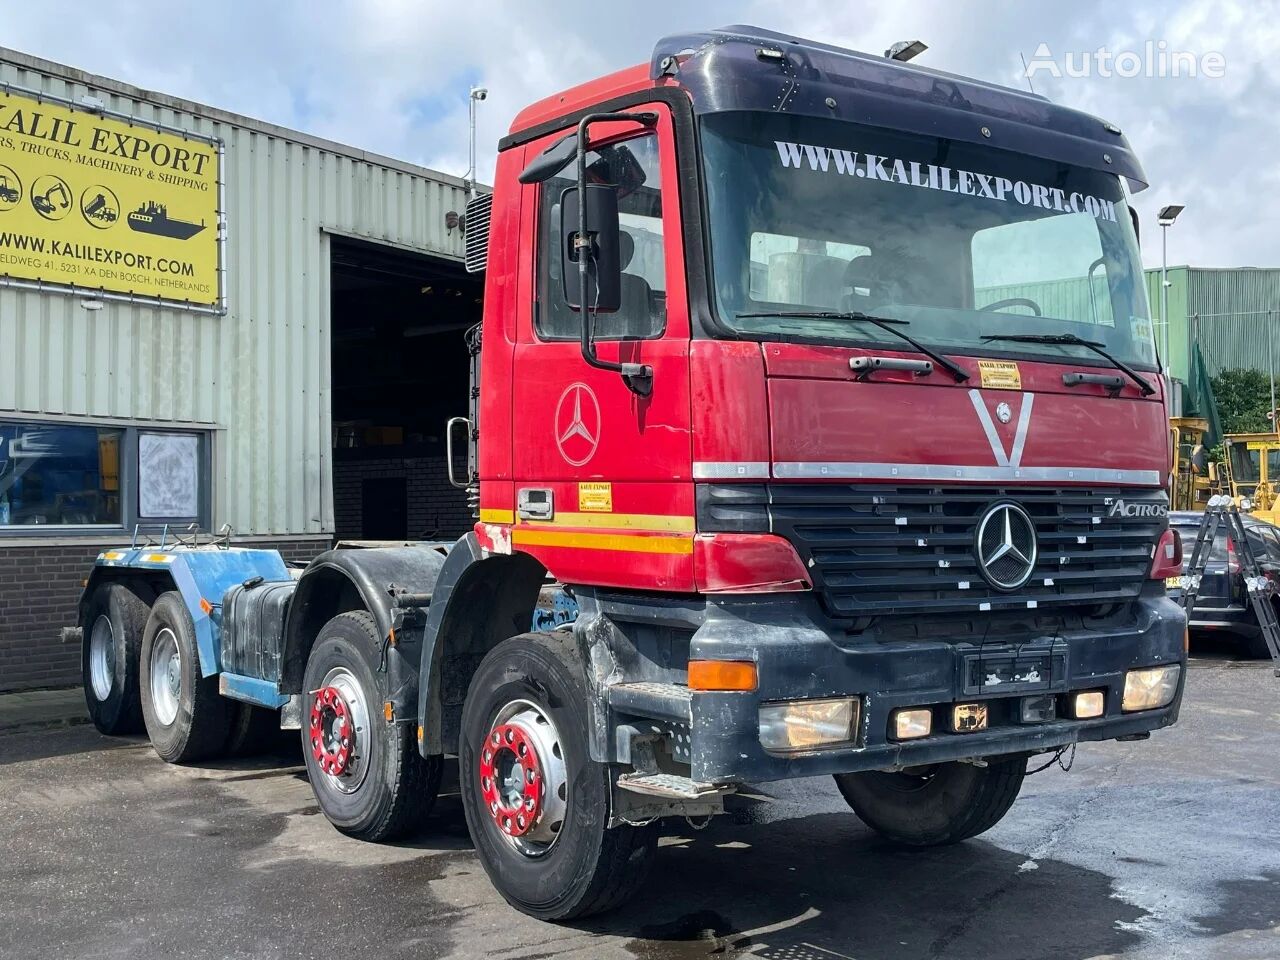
column 393, row 75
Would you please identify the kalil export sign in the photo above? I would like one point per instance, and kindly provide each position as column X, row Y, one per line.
column 94, row 201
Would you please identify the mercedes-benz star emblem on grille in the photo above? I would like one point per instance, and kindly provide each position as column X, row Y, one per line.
column 1005, row 545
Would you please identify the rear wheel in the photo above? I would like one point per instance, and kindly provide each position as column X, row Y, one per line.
column 114, row 619
column 537, row 806
column 251, row 730
column 186, row 717
column 934, row 805
column 368, row 777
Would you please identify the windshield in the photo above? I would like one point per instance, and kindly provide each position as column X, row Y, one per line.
column 962, row 241
column 1244, row 463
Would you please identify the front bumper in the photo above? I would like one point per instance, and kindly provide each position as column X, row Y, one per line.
column 798, row 658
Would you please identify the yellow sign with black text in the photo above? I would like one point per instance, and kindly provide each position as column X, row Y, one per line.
column 999, row 375
column 98, row 203
column 595, row 497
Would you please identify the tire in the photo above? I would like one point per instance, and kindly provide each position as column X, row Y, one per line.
column 582, row 867
column 936, row 805
column 186, row 718
column 114, row 619
column 251, row 730
column 384, row 788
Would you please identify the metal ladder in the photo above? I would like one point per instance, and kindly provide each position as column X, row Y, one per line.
column 1219, row 510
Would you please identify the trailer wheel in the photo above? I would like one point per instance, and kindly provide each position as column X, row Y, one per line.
column 367, row 774
column 186, row 717
column 112, row 636
column 934, row 805
column 537, row 806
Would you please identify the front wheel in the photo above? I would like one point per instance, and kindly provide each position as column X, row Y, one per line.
column 933, row 805
column 537, row 805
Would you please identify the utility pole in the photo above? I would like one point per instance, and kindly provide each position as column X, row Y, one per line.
column 477, row 94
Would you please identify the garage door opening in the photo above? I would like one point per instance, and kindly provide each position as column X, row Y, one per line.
column 399, row 372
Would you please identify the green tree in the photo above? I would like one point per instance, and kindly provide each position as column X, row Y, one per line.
column 1244, row 397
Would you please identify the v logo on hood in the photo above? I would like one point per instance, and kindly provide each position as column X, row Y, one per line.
column 1012, row 458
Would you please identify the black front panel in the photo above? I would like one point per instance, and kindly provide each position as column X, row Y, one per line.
column 875, row 550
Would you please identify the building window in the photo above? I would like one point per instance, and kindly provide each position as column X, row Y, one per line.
column 59, row 476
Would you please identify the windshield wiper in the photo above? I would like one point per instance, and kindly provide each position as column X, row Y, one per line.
column 1070, row 339
column 887, row 324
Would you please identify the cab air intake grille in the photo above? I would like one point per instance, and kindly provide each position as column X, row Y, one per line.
column 479, row 211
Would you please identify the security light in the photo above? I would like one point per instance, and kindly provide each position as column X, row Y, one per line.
column 1168, row 214
column 905, row 50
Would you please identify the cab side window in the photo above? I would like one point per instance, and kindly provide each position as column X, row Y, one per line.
column 632, row 167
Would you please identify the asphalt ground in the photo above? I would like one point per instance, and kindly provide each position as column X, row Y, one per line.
column 1163, row 849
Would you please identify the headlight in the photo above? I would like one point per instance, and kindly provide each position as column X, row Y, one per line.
column 807, row 724
column 1151, row 688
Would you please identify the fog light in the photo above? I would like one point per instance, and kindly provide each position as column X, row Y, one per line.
column 1085, row 706
column 806, row 724
column 912, row 724
column 968, row 717
column 1151, row 688
column 1039, row 709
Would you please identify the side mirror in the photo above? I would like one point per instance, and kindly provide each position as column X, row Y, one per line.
column 551, row 160
column 604, row 270
column 1137, row 230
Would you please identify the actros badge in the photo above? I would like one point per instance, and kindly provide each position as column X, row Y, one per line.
column 577, row 424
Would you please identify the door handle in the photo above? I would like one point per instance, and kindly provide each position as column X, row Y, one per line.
column 448, row 451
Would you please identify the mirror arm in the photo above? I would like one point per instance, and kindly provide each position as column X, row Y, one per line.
column 638, row 376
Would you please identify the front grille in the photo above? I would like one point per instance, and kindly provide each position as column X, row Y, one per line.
column 883, row 550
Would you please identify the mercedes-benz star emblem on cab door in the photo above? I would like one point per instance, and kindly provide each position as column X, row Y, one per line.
column 1005, row 545
column 1003, row 412
column 577, row 424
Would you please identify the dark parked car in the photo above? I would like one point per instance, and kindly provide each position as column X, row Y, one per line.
column 1222, row 607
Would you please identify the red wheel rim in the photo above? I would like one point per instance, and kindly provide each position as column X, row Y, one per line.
column 511, row 780
column 333, row 737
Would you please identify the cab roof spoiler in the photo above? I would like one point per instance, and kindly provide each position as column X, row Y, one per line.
column 748, row 68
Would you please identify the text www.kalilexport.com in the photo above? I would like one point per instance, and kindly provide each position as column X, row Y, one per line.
column 30, row 251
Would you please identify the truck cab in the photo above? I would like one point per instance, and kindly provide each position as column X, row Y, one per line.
column 823, row 386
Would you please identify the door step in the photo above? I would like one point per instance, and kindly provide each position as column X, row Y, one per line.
column 669, row 786
column 662, row 701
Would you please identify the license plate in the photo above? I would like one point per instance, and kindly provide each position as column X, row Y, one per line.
column 1173, row 583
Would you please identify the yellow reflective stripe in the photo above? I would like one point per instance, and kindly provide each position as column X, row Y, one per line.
column 601, row 541
column 489, row 515
column 660, row 523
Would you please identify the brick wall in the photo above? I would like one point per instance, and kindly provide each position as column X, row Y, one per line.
column 437, row 510
column 40, row 588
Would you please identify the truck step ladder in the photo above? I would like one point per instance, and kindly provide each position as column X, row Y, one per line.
column 1221, row 510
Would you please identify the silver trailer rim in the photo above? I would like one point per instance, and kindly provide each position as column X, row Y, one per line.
column 356, row 767
column 507, row 778
column 166, row 676
column 102, row 657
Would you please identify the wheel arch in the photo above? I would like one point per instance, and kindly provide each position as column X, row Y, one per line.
column 480, row 599
column 339, row 581
column 147, row 584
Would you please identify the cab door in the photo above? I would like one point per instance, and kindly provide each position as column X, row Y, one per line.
column 602, row 475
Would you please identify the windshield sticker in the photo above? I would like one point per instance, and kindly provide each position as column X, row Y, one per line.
column 999, row 375
column 929, row 176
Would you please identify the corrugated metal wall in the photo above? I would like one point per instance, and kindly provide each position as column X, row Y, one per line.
column 260, row 373
column 1234, row 314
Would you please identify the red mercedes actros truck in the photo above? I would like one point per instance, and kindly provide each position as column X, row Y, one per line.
column 824, row 386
